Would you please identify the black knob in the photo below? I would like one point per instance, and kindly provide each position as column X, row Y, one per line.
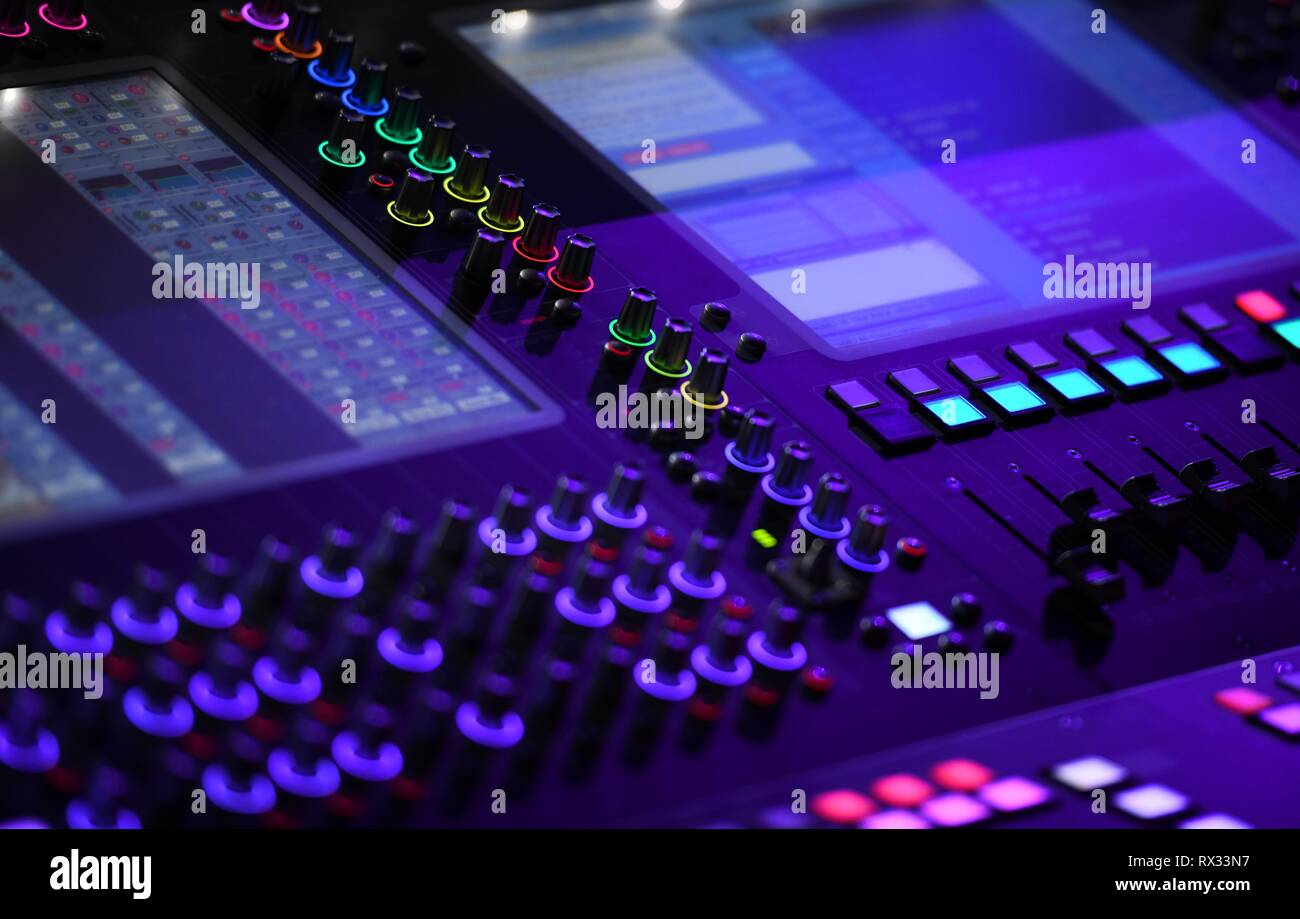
column 495, row 693
column 645, row 573
column 337, row 552
column 394, row 547
column 161, row 681
column 828, row 505
column 672, row 347
column 710, row 376
column 868, row 535
column 538, row 241
column 573, row 270
column 227, row 666
column 85, row 607
column 591, row 582
column 268, row 11
column 149, row 593
column 624, row 492
column 636, row 319
column 282, row 70
column 783, row 625
column 402, row 122
column 753, row 443
column 751, row 347
column 214, row 575
column 672, row 651
column 468, row 180
column 270, row 580
column 702, row 555
column 451, row 535
column 505, row 204
column 13, row 16
column 434, row 151
column 301, row 34
column 791, row 476
column 416, row 624
column 726, row 640
column 335, row 62
column 513, row 511
column 965, row 608
column 568, row 501
column 715, row 316
column 483, row 256
column 344, row 145
column 369, row 91
column 66, row 12
column 414, row 197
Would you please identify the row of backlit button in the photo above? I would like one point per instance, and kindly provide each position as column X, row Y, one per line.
column 961, row 792
column 1147, row 802
column 1071, row 388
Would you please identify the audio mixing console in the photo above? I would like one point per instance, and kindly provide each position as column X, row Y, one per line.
column 649, row 413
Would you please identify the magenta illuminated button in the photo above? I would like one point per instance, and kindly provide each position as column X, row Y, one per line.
column 954, row 810
column 902, row 790
column 1014, row 793
column 894, row 820
column 1285, row 719
column 960, row 774
column 842, row 806
column 1243, row 700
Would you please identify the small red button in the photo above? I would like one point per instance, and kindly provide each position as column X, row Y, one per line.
column 1260, row 305
column 1243, row 700
column 842, row 806
column 902, row 790
column 961, row 774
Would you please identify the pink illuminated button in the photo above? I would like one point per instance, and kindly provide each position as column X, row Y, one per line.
column 842, row 806
column 960, row 774
column 895, row 820
column 902, row 789
column 1243, row 700
column 1260, row 305
column 1285, row 719
column 954, row 810
column 1014, row 793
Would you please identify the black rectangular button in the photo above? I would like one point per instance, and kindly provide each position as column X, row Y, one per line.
column 913, row 382
column 1031, row 356
column 892, row 431
column 851, row 396
column 1146, row 331
column 972, row 369
column 1089, row 343
column 1203, row 318
column 1245, row 349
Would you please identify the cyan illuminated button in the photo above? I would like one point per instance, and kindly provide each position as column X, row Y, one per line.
column 1132, row 373
column 1075, row 387
column 1190, row 360
column 954, row 412
column 1016, row 400
column 1289, row 331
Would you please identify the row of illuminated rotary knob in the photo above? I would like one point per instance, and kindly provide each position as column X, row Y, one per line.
column 184, row 655
column 64, row 15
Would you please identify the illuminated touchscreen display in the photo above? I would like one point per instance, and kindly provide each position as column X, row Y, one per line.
column 190, row 321
column 900, row 172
